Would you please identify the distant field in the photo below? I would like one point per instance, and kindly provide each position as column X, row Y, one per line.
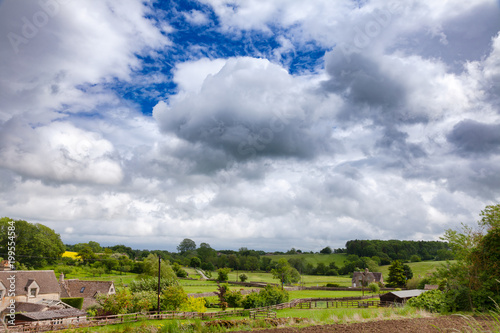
column 418, row 268
column 313, row 258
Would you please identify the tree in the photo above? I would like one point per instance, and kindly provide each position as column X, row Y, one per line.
column 151, row 269
column 36, row 245
column 285, row 273
column 223, row 274
column 221, row 293
column 397, row 274
column 326, row 250
column 186, row 245
column 408, row 272
column 252, row 263
column 195, row 262
column 87, row 254
column 172, row 298
column 205, row 252
column 473, row 279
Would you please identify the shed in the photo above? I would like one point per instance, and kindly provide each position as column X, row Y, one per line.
column 400, row 296
column 56, row 316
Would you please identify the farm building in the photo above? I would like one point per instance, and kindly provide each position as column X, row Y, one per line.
column 368, row 277
column 400, row 296
column 28, row 286
column 60, row 316
column 86, row 289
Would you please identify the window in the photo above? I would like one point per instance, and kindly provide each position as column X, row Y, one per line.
column 1, row 293
column 81, row 290
column 33, row 292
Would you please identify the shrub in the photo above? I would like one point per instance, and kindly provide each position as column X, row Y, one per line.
column 223, row 274
column 243, row 277
column 415, row 258
column 181, row 273
column 144, row 301
column 431, row 300
column 172, row 298
column 374, row 287
column 272, row 295
column 252, row 301
column 194, row 305
column 413, row 283
column 149, row 284
column 332, row 285
column 76, row 302
column 118, row 303
column 234, row 298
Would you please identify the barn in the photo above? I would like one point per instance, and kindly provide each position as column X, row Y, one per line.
column 400, row 296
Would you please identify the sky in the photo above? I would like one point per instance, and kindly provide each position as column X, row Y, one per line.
column 266, row 124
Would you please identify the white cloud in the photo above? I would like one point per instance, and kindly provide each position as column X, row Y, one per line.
column 394, row 137
column 196, row 17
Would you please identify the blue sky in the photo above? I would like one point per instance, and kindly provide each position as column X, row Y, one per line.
column 268, row 124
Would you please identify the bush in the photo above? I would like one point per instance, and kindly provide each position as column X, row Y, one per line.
column 76, row 302
column 144, row 301
column 432, row 300
column 270, row 295
column 223, row 274
column 234, row 298
column 333, row 285
column 413, row 283
column 118, row 303
column 415, row 258
column 149, row 284
column 252, row 301
column 243, row 277
column 374, row 287
column 181, row 273
column 194, row 305
column 172, row 298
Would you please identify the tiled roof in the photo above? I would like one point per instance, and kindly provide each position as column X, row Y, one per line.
column 29, row 307
column 85, row 289
column 46, row 280
column 53, row 314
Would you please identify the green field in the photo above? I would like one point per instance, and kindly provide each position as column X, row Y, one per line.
column 418, row 268
column 313, row 258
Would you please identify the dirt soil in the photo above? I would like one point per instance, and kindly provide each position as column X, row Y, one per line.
column 418, row 325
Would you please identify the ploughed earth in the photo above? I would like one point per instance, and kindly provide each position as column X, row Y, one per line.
column 417, row 325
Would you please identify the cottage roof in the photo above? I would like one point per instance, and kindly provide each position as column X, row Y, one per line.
column 85, row 289
column 46, row 281
column 29, row 307
column 52, row 314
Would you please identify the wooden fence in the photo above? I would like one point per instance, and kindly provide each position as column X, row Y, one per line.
column 269, row 311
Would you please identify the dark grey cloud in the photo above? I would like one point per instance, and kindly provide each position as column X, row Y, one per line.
column 249, row 109
column 475, row 138
column 459, row 39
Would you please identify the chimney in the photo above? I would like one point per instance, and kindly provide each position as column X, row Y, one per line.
column 61, row 278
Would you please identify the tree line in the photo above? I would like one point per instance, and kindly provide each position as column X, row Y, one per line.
column 390, row 250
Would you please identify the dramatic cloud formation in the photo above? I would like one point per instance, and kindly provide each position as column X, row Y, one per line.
column 268, row 124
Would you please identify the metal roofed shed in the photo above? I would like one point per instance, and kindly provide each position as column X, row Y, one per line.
column 400, row 296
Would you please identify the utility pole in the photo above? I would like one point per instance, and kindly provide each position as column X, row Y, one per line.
column 159, row 275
